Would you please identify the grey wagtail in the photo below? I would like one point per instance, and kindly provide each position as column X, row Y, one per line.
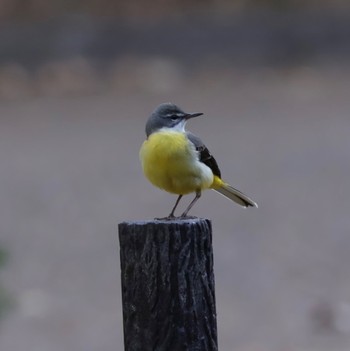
column 178, row 162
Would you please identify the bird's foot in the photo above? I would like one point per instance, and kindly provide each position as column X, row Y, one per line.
column 187, row 217
column 167, row 218
column 172, row 217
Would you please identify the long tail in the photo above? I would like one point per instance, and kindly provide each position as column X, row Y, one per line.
column 235, row 195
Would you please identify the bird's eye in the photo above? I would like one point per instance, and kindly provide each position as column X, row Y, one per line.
column 174, row 117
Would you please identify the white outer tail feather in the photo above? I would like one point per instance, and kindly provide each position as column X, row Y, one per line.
column 236, row 196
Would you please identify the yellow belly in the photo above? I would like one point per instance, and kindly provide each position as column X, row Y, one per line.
column 171, row 163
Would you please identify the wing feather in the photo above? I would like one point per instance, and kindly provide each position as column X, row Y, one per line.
column 204, row 155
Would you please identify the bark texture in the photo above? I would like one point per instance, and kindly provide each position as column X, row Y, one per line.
column 168, row 285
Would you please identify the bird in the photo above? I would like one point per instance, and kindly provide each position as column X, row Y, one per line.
column 178, row 162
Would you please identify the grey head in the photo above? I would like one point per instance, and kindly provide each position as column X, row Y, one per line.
column 168, row 115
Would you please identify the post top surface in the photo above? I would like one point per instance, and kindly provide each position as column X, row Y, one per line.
column 178, row 221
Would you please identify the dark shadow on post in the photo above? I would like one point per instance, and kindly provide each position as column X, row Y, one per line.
column 168, row 285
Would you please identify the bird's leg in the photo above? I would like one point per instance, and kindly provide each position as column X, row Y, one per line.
column 172, row 215
column 198, row 195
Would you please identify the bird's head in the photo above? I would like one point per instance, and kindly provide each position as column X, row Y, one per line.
column 168, row 115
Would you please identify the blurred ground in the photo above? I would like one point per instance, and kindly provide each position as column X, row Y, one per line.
column 70, row 173
column 75, row 92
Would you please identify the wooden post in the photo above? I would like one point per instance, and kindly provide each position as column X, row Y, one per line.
column 168, row 285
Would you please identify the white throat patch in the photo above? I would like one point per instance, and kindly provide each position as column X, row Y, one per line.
column 180, row 127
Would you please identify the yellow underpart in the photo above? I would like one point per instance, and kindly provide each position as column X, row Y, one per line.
column 170, row 162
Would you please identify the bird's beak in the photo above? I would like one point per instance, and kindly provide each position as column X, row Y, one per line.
column 192, row 115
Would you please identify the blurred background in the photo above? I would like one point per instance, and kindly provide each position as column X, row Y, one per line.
column 78, row 80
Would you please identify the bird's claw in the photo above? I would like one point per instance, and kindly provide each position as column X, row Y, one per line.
column 172, row 217
column 167, row 218
column 187, row 217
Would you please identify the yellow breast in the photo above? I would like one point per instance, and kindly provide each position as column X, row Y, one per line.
column 170, row 162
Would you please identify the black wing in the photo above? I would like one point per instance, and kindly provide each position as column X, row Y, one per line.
column 204, row 154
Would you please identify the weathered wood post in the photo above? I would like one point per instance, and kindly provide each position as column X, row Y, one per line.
column 168, row 285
